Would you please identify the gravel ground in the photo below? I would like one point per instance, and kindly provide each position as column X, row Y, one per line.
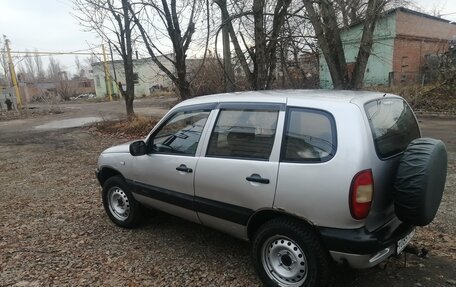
column 54, row 232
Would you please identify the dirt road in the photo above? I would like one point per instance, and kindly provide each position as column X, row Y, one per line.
column 53, row 230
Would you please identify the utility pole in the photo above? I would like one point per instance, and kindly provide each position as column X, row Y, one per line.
column 107, row 76
column 13, row 73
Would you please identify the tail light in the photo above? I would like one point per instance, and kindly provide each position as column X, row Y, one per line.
column 361, row 194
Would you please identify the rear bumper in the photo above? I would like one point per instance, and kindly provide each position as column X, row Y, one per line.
column 361, row 248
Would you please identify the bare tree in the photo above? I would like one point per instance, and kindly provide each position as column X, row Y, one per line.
column 40, row 73
column 298, row 53
column 54, row 69
column 176, row 25
column 66, row 89
column 374, row 8
column 350, row 12
column 30, row 66
column 323, row 17
column 112, row 20
column 79, row 68
column 266, row 19
column 227, row 64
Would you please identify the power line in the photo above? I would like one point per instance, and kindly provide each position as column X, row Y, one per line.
column 41, row 53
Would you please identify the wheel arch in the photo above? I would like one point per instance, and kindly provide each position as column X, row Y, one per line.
column 107, row 172
column 262, row 216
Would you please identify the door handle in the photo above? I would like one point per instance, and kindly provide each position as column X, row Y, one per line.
column 257, row 178
column 184, row 168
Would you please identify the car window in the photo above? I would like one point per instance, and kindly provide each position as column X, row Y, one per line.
column 243, row 134
column 181, row 133
column 393, row 125
column 309, row 136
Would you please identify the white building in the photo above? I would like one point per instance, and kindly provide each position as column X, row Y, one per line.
column 149, row 76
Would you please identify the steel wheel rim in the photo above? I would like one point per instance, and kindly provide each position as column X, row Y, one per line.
column 118, row 202
column 284, row 261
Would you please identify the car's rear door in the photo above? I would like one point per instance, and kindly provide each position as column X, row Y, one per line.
column 237, row 175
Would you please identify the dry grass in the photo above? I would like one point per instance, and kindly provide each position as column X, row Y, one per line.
column 136, row 127
column 163, row 94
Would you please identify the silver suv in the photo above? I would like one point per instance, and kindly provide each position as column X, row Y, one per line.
column 308, row 177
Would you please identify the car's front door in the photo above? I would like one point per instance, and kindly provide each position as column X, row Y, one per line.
column 238, row 173
column 163, row 178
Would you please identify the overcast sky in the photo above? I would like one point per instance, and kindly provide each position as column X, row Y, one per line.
column 47, row 25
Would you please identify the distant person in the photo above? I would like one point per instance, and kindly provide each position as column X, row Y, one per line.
column 9, row 104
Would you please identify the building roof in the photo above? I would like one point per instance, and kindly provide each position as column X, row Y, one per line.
column 409, row 11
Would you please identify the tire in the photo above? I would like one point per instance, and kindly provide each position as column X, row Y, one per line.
column 287, row 253
column 119, row 203
column 420, row 181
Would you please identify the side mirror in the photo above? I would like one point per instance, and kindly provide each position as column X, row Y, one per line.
column 138, row 148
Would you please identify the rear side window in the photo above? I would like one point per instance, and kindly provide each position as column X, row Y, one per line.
column 243, row 134
column 393, row 125
column 309, row 136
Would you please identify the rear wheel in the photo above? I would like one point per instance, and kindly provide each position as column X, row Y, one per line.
column 287, row 253
column 119, row 203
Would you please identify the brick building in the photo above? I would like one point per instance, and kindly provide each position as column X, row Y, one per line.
column 407, row 45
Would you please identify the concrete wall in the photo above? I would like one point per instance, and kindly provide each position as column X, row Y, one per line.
column 149, row 75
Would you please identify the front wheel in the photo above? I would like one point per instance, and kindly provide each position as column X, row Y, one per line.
column 287, row 253
column 119, row 203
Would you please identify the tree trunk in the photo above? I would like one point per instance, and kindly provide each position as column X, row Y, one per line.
column 335, row 43
column 337, row 71
column 129, row 107
column 237, row 47
column 180, row 43
column 259, row 64
column 329, row 39
column 280, row 12
column 228, row 74
column 373, row 10
column 128, row 62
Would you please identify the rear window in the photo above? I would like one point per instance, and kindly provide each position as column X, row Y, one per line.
column 393, row 125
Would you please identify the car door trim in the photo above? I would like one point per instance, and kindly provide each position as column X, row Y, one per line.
column 177, row 198
column 226, row 211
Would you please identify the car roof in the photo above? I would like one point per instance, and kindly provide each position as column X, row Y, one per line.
column 282, row 96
